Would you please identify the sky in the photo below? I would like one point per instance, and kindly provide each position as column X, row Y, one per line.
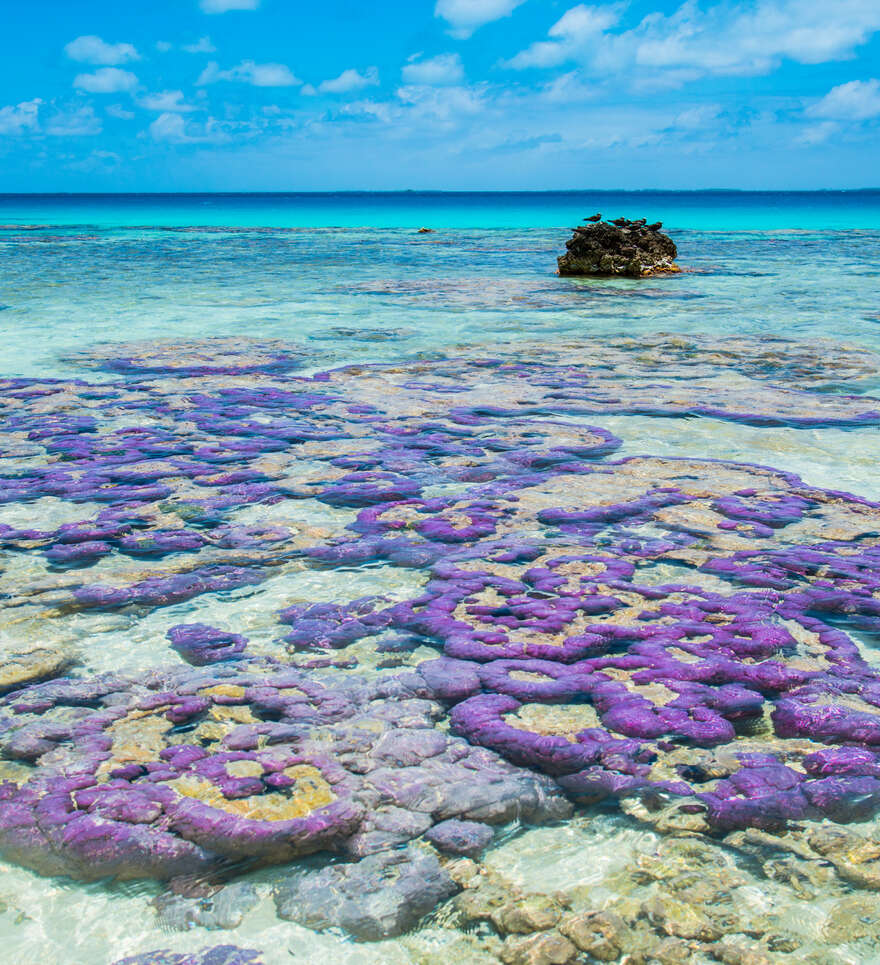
column 293, row 95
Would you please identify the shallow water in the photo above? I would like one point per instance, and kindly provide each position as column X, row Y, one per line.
column 86, row 278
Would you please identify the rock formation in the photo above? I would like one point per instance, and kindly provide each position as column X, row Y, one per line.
column 630, row 249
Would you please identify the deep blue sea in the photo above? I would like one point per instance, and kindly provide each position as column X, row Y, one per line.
column 348, row 280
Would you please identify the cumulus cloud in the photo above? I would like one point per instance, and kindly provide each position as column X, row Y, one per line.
column 222, row 6
column 424, row 108
column 442, row 105
column 79, row 122
column 170, row 101
column 174, row 129
column 691, row 42
column 202, row 46
column 858, row 100
column 436, row 71
column 168, row 127
column 577, row 31
column 117, row 110
column 106, row 80
column 247, row 72
column 347, row 81
column 465, row 16
column 20, row 118
column 92, row 50
column 371, row 110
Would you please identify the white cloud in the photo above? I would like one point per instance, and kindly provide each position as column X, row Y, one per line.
column 568, row 88
column 858, row 100
column 442, row 69
column 222, row 6
column 117, row 110
column 817, row 133
column 174, row 129
column 578, row 29
column 201, row 46
column 725, row 39
column 92, row 50
column 168, row 127
column 424, row 107
column 165, row 101
column 374, row 110
column 347, row 81
column 80, row 122
column 20, row 118
column 465, row 16
column 444, row 104
column 106, row 80
column 247, row 72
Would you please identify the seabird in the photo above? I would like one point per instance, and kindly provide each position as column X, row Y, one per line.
column 595, row 217
column 656, row 226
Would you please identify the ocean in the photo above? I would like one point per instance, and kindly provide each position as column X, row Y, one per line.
column 634, row 522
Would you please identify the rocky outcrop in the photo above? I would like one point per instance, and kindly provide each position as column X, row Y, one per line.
column 630, row 249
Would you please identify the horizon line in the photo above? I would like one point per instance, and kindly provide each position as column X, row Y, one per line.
column 433, row 191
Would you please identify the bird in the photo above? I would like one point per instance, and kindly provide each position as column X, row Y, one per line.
column 656, row 226
column 594, row 217
column 620, row 222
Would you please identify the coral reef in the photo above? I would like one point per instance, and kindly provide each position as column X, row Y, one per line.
column 689, row 640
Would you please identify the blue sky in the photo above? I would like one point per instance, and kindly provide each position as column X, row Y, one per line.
column 181, row 95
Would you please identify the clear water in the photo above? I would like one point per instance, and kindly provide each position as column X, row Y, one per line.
column 89, row 269
column 348, row 277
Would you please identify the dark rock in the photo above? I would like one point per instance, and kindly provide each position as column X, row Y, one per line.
column 460, row 837
column 630, row 249
column 381, row 896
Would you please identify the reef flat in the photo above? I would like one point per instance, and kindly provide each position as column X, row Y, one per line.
column 559, row 637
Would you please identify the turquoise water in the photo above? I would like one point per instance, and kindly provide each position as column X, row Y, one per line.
column 347, row 278
column 704, row 210
column 368, row 286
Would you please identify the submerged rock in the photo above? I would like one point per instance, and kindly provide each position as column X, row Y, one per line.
column 679, row 634
column 18, row 669
column 631, row 249
column 460, row 837
column 381, row 896
column 219, row 955
column 545, row 948
column 191, row 769
column 225, row 909
column 201, row 645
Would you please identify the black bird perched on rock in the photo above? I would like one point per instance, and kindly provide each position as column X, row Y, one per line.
column 595, row 217
column 656, row 226
column 620, row 222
